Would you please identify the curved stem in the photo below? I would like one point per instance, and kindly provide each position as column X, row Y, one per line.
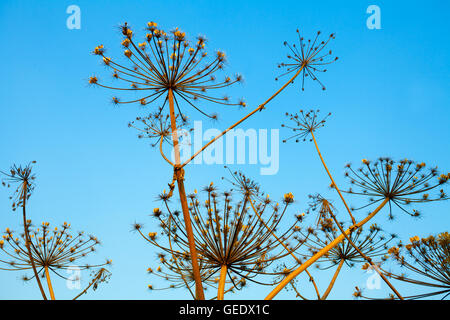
column 27, row 240
column 333, row 280
column 331, row 178
column 95, row 280
column 323, row 251
column 184, row 205
column 221, row 289
column 368, row 259
column 163, row 155
column 49, row 283
column 260, row 107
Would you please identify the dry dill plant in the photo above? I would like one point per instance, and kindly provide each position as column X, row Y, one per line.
column 53, row 250
column 409, row 185
column 427, row 260
column 22, row 179
column 166, row 71
column 400, row 184
column 167, row 67
column 232, row 242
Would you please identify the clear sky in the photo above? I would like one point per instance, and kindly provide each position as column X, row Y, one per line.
column 388, row 93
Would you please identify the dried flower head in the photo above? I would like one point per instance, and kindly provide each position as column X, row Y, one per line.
column 167, row 61
column 428, row 262
column 52, row 248
column 228, row 233
column 23, row 177
column 402, row 182
column 156, row 126
column 310, row 55
column 304, row 124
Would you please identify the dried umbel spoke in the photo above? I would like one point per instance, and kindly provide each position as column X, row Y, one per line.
column 164, row 62
column 311, row 55
column 23, row 178
column 304, row 123
column 156, row 127
column 55, row 249
column 402, row 182
column 427, row 264
column 372, row 243
column 227, row 235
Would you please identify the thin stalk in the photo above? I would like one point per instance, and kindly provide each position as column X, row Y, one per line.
column 331, row 178
column 323, row 251
column 179, row 173
column 368, row 259
column 260, row 107
column 96, row 278
column 27, row 239
column 49, row 283
column 333, row 280
column 223, row 276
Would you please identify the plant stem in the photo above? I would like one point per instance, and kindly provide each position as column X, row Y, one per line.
column 49, row 283
column 333, row 280
column 331, row 178
column 323, row 251
column 260, row 107
column 27, row 239
column 221, row 289
column 179, row 173
column 368, row 259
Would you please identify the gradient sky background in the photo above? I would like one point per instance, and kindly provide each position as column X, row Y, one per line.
column 388, row 94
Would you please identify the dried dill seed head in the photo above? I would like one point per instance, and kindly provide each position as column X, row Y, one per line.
column 157, row 127
column 304, row 123
column 53, row 248
column 243, row 184
column 227, row 233
column 167, row 61
column 403, row 183
column 427, row 263
column 310, row 55
column 23, row 180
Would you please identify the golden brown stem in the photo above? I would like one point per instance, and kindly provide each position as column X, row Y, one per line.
column 93, row 281
column 260, row 107
column 323, row 251
column 179, row 173
column 27, row 239
column 368, row 259
column 49, row 283
column 223, row 276
column 333, row 280
column 331, row 178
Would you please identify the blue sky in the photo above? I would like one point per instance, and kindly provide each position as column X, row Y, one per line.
column 388, row 93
